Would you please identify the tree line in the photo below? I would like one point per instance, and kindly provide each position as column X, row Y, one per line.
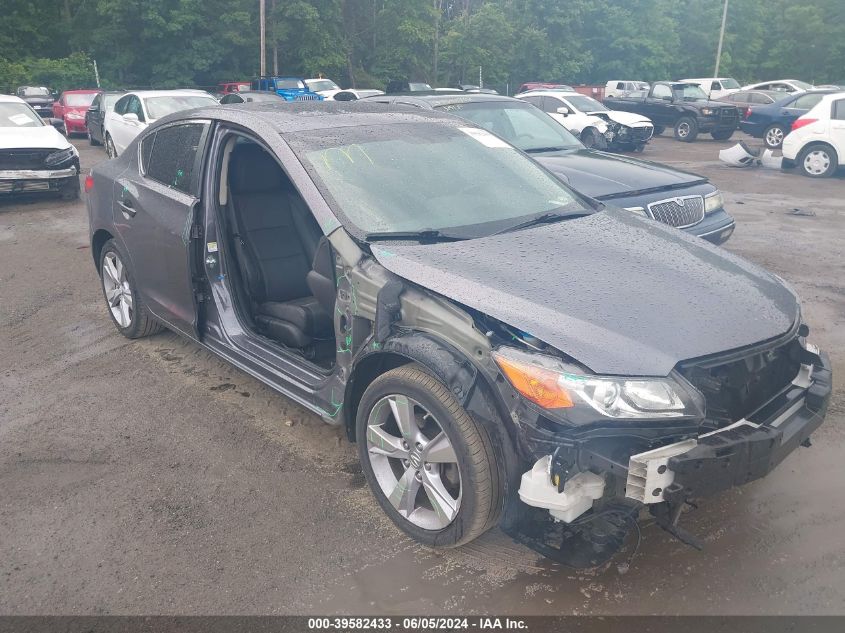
column 362, row 43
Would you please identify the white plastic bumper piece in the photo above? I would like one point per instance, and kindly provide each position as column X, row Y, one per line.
column 649, row 473
column 577, row 496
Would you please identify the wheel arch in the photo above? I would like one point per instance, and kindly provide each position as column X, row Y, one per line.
column 98, row 241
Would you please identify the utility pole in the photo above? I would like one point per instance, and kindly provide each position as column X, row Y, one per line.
column 721, row 39
column 275, row 42
column 261, row 18
column 96, row 73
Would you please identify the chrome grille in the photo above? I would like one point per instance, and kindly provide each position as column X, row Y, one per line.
column 308, row 97
column 678, row 212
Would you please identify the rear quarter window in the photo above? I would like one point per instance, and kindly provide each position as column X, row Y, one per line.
column 838, row 111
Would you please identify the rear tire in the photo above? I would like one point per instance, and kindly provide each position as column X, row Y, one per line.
column 411, row 393
column 126, row 309
column 773, row 136
column 818, row 160
column 686, row 129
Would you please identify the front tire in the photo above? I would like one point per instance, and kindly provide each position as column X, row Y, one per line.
column 592, row 139
column 128, row 312
column 722, row 135
column 430, row 466
column 92, row 140
column 686, row 129
column 773, row 136
column 818, row 160
column 658, row 130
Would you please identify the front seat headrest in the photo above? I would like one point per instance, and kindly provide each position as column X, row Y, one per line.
column 253, row 170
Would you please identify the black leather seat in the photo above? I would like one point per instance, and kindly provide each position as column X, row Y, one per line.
column 276, row 239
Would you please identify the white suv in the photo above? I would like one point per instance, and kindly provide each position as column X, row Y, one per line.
column 715, row 87
column 816, row 144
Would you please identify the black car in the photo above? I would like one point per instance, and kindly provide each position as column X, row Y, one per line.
column 96, row 115
column 40, row 98
column 682, row 106
column 671, row 196
column 249, row 96
column 502, row 349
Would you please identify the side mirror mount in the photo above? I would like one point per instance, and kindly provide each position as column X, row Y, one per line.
column 563, row 110
column 130, row 117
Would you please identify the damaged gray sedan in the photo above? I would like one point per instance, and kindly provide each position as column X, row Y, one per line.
column 503, row 350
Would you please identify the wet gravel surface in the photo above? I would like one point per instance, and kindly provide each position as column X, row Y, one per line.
column 145, row 477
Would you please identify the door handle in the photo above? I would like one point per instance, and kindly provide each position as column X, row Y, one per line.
column 127, row 208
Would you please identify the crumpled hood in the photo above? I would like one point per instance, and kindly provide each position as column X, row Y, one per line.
column 44, row 137
column 625, row 118
column 619, row 294
column 599, row 174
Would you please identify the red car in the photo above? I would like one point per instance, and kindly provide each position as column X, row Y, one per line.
column 233, row 86
column 71, row 108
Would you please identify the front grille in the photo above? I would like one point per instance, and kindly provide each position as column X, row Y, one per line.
column 11, row 186
column 23, row 158
column 313, row 97
column 642, row 133
column 735, row 389
column 678, row 212
column 729, row 115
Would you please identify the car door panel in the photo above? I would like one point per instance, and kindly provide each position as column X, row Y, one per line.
column 156, row 221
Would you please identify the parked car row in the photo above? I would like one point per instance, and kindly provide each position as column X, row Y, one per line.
column 503, row 349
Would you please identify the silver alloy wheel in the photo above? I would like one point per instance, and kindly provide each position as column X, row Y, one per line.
column 774, row 137
column 116, row 287
column 414, row 462
column 683, row 129
column 816, row 162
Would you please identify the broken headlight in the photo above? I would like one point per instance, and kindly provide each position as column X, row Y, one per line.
column 713, row 202
column 57, row 158
column 554, row 384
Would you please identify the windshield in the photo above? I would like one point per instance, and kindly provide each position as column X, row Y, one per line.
column 18, row 115
column 688, row 92
column 417, row 87
column 32, row 91
column 521, row 125
column 803, row 85
column 289, row 84
column 729, row 83
column 585, row 104
column 315, row 85
column 421, row 176
column 158, row 107
column 83, row 99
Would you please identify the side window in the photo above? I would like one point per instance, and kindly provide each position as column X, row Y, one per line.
column 620, row 85
column 805, row 102
column 134, row 107
column 146, row 150
column 535, row 101
column 838, row 111
column 715, row 86
column 661, row 91
column 344, row 96
column 173, row 155
column 120, row 106
column 550, row 104
column 740, row 97
column 757, row 97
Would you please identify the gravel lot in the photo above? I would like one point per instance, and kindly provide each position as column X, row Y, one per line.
column 150, row 477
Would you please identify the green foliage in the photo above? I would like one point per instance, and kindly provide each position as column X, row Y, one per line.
column 170, row 43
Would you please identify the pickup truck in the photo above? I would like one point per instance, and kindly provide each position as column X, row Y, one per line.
column 681, row 106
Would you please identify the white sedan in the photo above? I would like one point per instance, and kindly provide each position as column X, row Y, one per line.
column 816, row 144
column 34, row 156
column 135, row 111
column 595, row 124
column 353, row 94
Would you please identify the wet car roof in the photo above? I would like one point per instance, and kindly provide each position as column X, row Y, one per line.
column 301, row 116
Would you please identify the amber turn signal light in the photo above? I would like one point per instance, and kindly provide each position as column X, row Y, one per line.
column 539, row 385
